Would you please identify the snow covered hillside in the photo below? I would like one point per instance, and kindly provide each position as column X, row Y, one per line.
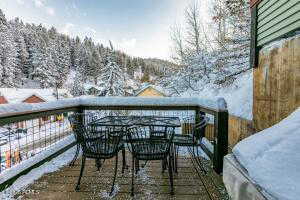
column 239, row 95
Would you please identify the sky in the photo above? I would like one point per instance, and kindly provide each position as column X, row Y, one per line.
column 137, row 27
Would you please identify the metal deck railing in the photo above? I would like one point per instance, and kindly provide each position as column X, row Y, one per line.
column 29, row 130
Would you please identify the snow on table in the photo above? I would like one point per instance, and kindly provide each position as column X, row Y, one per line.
column 272, row 158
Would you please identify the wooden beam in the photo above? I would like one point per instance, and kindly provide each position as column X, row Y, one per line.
column 254, row 51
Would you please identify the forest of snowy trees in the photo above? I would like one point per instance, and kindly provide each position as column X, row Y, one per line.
column 213, row 54
column 34, row 56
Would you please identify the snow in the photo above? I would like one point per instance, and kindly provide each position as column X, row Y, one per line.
column 272, row 159
column 238, row 95
column 23, row 108
column 278, row 43
column 149, row 101
column 36, row 173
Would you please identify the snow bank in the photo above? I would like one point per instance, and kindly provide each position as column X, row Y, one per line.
column 239, row 95
column 51, row 166
column 272, row 159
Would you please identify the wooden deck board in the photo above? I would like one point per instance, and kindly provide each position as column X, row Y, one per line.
column 151, row 183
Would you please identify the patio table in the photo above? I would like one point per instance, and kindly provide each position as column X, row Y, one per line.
column 128, row 121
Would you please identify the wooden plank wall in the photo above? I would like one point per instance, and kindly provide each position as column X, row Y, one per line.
column 238, row 129
column 276, row 84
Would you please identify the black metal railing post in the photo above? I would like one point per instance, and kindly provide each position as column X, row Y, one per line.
column 221, row 135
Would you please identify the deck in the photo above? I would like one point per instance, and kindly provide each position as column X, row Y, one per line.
column 189, row 183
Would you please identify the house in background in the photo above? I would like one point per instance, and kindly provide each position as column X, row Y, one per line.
column 20, row 95
column 91, row 89
column 148, row 90
column 16, row 95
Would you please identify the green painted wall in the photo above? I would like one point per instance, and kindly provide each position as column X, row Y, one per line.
column 276, row 18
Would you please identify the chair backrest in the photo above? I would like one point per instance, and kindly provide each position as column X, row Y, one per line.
column 158, row 131
column 100, row 141
column 197, row 130
column 140, row 137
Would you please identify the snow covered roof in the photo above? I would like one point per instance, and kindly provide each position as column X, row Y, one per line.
column 272, row 159
column 88, row 86
column 17, row 95
column 157, row 88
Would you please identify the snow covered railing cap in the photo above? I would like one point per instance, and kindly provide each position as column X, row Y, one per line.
column 26, row 108
column 150, row 101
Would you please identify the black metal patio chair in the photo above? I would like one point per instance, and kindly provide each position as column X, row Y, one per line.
column 147, row 148
column 105, row 143
column 192, row 133
column 85, row 118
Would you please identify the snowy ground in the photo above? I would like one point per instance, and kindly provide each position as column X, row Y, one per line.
column 239, row 95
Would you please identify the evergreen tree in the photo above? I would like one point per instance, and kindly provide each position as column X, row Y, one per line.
column 112, row 76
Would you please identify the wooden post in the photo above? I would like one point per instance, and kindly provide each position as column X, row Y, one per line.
column 197, row 121
column 254, row 51
column 221, row 135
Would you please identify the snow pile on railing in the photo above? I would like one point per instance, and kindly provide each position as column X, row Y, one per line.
column 272, row 159
column 26, row 108
column 148, row 101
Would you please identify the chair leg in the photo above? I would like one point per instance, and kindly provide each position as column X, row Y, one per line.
column 171, row 175
column 81, row 172
column 132, row 177
column 98, row 164
column 116, row 170
column 137, row 166
column 123, row 160
column 176, row 159
column 75, row 156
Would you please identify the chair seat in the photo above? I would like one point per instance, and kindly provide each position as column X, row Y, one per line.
column 151, row 151
column 184, row 140
column 97, row 149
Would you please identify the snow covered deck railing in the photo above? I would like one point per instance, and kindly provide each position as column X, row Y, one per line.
column 205, row 105
column 30, row 129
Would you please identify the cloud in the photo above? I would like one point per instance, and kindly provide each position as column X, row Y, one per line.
column 21, row 2
column 42, row 5
column 128, row 43
column 50, row 11
column 39, row 3
column 67, row 28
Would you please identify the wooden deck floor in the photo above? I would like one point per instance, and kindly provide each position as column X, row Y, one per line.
column 189, row 183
